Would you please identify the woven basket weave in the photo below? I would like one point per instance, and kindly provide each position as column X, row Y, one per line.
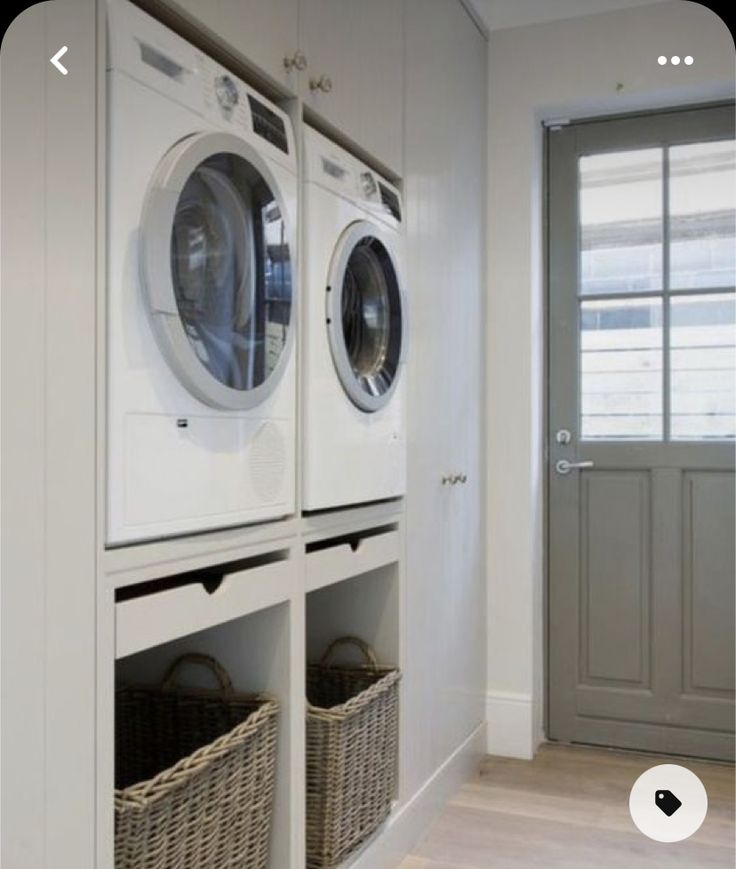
column 352, row 745
column 194, row 772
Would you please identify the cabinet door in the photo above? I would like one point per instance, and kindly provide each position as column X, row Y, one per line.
column 261, row 32
column 358, row 45
column 465, row 116
column 444, row 194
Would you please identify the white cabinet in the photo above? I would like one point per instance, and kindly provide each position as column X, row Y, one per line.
column 263, row 33
column 355, row 72
column 444, row 171
column 345, row 58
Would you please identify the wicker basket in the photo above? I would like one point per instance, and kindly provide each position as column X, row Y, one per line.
column 352, row 743
column 194, row 775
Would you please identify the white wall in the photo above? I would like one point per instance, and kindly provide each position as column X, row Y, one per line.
column 596, row 64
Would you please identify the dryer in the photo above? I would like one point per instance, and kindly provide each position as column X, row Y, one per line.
column 355, row 331
column 201, row 383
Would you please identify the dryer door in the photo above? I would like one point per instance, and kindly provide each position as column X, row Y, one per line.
column 216, row 257
column 366, row 316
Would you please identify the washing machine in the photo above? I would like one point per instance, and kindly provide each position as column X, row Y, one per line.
column 355, row 331
column 201, row 380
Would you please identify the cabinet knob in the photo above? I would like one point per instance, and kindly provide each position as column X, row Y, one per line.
column 454, row 479
column 323, row 83
column 297, row 61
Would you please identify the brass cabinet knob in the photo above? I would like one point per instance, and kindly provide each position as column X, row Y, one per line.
column 297, row 61
column 323, row 83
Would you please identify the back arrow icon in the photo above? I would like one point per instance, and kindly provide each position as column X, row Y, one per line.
column 55, row 59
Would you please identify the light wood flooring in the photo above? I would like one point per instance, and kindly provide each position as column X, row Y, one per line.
column 569, row 807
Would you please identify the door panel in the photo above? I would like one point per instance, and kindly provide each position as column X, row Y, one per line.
column 615, row 577
column 641, row 392
column 708, row 582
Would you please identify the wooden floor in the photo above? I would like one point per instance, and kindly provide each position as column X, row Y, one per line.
column 569, row 807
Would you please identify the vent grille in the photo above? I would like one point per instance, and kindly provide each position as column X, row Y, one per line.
column 390, row 200
column 268, row 125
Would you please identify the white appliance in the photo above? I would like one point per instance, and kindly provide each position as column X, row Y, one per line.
column 202, row 193
column 355, row 335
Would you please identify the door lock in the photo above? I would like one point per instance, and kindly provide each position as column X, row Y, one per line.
column 563, row 437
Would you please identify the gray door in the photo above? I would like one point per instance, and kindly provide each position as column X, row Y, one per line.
column 641, row 432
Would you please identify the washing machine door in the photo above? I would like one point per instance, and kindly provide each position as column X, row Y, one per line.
column 216, row 261
column 366, row 316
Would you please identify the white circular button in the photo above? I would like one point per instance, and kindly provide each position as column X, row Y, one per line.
column 668, row 803
column 661, row 60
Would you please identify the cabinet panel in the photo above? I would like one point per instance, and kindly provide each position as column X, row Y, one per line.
column 465, row 119
column 262, row 32
column 359, row 46
column 445, row 146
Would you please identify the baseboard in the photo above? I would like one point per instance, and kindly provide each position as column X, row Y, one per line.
column 511, row 731
column 408, row 824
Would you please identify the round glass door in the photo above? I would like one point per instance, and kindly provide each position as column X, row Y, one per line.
column 221, row 293
column 365, row 318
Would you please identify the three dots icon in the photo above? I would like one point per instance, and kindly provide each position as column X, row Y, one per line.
column 662, row 60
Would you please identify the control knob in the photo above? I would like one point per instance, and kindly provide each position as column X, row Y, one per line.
column 226, row 92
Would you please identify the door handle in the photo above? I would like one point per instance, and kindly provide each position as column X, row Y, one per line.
column 564, row 467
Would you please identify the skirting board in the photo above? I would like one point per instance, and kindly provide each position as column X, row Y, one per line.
column 510, row 720
column 398, row 836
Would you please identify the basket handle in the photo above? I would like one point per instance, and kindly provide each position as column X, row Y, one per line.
column 368, row 653
column 220, row 673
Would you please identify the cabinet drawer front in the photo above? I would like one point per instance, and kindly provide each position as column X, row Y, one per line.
column 157, row 618
column 335, row 563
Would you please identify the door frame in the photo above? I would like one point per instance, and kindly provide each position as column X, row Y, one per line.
column 549, row 127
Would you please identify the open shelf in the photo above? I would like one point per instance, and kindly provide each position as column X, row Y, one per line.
column 246, row 624
column 365, row 606
column 260, row 610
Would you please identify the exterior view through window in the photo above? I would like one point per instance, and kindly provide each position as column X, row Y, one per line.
column 656, row 289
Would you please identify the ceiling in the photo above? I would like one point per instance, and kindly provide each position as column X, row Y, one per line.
column 500, row 14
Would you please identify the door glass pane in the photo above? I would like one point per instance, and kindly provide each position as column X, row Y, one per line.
column 371, row 316
column 621, row 222
column 621, row 369
column 702, row 360
column 231, row 270
column 702, row 216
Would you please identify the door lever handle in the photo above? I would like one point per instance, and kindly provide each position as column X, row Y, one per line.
column 564, row 467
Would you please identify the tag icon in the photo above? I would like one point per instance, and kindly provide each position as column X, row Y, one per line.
column 667, row 802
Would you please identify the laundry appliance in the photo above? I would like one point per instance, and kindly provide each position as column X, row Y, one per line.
column 355, row 331
column 201, row 376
